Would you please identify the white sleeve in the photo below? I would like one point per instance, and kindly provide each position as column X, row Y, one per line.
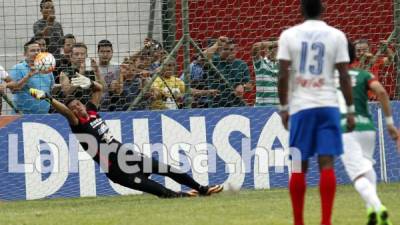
column 342, row 54
column 283, row 47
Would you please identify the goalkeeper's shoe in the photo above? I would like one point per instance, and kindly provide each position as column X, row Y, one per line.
column 214, row 189
column 208, row 190
column 383, row 216
column 372, row 216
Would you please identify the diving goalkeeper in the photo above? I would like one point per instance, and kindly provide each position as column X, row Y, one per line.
column 85, row 120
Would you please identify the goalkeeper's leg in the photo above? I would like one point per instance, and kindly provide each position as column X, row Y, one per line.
column 141, row 182
column 180, row 177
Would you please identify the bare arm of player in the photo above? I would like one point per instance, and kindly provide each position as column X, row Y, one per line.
column 345, row 86
column 97, row 93
column 60, row 107
column 283, row 88
column 383, row 98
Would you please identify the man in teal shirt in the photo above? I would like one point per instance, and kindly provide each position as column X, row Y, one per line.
column 235, row 71
column 27, row 78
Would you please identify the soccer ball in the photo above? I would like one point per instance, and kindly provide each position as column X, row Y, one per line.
column 45, row 62
column 232, row 187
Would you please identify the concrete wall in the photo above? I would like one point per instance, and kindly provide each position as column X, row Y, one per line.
column 123, row 22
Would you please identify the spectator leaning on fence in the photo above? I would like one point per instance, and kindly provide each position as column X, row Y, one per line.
column 167, row 88
column 157, row 55
column 151, row 56
column 109, row 70
column 64, row 61
column 235, row 71
column 366, row 60
column 199, row 83
column 140, row 65
column 78, row 66
column 48, row 28
column 266, row 70
column 123, row 93
column 26, row 77
column 42, row 41
column 3, row 84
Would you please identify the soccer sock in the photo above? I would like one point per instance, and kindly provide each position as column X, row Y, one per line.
column 152, row 187
column 327, row 188
column 368, row 192
column 371, row 176
column 297, row 188
column 185, row 179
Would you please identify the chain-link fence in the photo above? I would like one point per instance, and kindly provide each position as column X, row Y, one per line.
column 144, row 49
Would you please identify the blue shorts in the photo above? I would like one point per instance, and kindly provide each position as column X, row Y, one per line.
column 316, row 130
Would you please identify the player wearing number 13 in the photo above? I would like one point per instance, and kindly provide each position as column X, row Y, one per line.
column 308, row 55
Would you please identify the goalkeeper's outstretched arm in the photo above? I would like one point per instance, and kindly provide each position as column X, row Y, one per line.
column 85, row 83
column 58, row 106
column 65, row 111
column 97, row 93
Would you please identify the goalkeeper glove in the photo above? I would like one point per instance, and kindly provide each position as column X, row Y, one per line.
column 81, row 81
column 40, row 95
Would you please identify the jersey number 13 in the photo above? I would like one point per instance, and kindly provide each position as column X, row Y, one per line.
column 318, row 50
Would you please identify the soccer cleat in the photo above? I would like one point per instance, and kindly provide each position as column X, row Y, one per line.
column 214, row 189
column 383, row 216
column 207, row 190
column 372, row 218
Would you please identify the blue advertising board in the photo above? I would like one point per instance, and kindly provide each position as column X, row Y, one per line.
column 239, row 147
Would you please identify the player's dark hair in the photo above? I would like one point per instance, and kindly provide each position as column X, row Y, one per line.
column 31, row 41
column 311, row 9
column 69, row 100
column 352, row 51
column 43, row 2
column 104, row 43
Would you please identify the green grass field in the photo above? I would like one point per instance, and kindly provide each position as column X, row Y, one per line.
column 267, row 207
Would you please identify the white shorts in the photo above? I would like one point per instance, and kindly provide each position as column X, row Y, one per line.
column 358, row 147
